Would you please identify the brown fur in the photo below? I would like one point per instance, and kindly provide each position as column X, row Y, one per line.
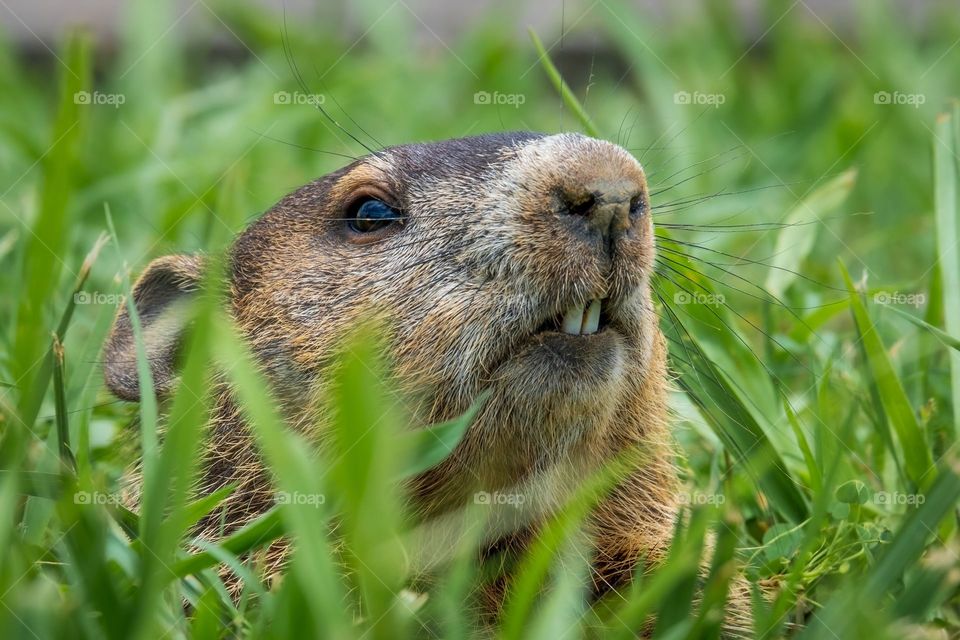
column 489, row 251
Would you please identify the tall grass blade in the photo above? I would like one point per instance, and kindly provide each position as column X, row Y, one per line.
column 563, row 88
column 916, row 453
column 946, row 150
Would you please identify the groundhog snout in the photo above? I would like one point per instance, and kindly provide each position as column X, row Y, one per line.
column 603, row 209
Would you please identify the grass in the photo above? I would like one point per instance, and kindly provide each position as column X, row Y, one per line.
column 818, row 377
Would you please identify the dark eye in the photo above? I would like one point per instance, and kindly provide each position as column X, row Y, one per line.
column 372, row 215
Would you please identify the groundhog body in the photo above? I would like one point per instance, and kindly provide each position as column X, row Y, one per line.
column 513, row 264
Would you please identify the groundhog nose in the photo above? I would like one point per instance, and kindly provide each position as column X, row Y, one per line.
column 604, row 207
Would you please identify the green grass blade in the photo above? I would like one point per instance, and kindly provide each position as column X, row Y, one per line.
column 813, row 469
column 735, row 425
column 367, row 454
column 723, row 569
column 555, row 534
column 560, row 613
column 945, row 338
column 947, row 212
column 563, row 88
column 149, row 413
column 918, row 460
column 48, row 241
column 255, row 535
column 430, row 445
column 60, row 402
column 287, row 455
column 166, row 491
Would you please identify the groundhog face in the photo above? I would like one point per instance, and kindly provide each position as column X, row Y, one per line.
column 517, row 263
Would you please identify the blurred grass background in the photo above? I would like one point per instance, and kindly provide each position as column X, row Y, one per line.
column 795, row 119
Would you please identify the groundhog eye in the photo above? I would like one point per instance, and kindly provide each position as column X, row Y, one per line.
column 372, row 215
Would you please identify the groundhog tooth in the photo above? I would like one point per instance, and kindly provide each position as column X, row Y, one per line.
column 573, row 320
column 591, row 319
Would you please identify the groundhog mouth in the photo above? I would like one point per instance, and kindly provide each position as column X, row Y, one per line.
column 583, row 319
column 578, row 347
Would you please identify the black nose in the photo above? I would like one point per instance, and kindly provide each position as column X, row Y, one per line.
column 607, row 207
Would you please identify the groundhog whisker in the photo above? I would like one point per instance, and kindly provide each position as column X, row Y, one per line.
column 683, row 203
column 295, row 70
column 83, row 409
column 677, row 134
column 749, row 261
column 671, row 207
column 730, row 328
column 696, row 164
column 753, row 226
column 623, row 121
column 344, row 111
column 646, row 149
column 773, row 299
column 678, row 326
column 691, row 362
column 768, row 297
column 629, row 132
column 304, row 147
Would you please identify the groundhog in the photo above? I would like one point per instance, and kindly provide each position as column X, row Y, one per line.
column 514, row 264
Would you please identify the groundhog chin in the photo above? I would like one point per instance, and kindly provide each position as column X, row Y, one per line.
column 557, row 378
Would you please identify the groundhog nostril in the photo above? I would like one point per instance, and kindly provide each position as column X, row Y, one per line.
column 602, row 208
column 584, row 206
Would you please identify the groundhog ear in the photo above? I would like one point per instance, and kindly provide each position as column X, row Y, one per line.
column 160, row 296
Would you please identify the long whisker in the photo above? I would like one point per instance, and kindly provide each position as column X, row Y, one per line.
column 305, row 148
column 720, row 266
column 295, row 70
column 727, row 325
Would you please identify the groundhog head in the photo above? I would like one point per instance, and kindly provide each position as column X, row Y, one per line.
column 515, row 263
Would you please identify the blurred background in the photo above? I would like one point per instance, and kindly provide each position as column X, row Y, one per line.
column 775, row 94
